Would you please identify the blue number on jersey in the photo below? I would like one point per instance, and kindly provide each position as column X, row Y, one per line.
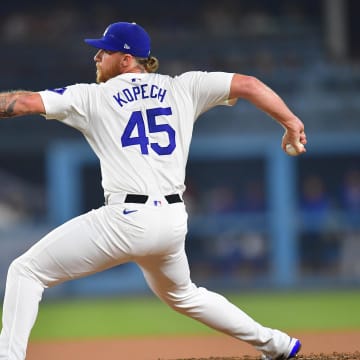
column 136, row 122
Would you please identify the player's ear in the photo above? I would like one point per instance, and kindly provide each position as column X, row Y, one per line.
column 127, row 59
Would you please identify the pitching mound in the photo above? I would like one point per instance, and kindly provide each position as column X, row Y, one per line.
column 333, row 356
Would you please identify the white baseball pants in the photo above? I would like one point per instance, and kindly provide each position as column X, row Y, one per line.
column 154, row 238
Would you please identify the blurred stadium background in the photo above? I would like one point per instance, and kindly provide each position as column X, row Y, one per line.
column 258, row 219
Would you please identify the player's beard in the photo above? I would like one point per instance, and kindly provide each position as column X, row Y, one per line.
column 103, row 75
column 100, row 76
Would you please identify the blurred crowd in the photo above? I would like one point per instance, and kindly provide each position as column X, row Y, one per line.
column 331, row 241
column 237, row 243
column 59, row 20
column 186, row 39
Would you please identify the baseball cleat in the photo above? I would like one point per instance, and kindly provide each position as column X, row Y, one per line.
column 295, row 346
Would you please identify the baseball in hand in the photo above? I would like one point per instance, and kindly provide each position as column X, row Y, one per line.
column 290, row 150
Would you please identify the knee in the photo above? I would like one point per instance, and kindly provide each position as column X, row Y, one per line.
column 17, row 268
column 21, row 267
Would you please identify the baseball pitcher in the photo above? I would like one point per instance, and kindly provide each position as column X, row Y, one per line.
column 139, row 123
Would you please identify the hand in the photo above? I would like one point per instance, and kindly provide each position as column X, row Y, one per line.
column 295, row 137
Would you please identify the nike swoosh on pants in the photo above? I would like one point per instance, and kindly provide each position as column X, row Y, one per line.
column 126, row 211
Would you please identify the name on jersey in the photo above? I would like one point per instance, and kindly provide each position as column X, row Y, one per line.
column 144, row 91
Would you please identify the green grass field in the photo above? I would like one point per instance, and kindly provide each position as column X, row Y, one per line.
column 328, row 310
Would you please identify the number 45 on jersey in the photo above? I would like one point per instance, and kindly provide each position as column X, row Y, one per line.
column 137, row 123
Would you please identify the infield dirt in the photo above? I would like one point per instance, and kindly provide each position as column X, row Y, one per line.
column 342, row 345
column 333, row 356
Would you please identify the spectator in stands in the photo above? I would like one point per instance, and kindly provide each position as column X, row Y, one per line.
column 350, row 196
column 319, row 246
column 350, row 202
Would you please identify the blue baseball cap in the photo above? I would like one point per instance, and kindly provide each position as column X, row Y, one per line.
column 129, row 38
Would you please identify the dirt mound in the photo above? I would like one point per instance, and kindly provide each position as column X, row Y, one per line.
column 321, row 356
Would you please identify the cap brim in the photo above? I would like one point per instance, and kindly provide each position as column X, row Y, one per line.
column 100, row 44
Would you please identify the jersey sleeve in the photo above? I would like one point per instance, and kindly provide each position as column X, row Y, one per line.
column 208, row 89
column 69, row 105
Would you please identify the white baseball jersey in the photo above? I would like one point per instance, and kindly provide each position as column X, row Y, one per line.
column 139, row 125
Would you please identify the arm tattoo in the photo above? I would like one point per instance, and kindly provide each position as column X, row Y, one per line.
column 7, row 104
